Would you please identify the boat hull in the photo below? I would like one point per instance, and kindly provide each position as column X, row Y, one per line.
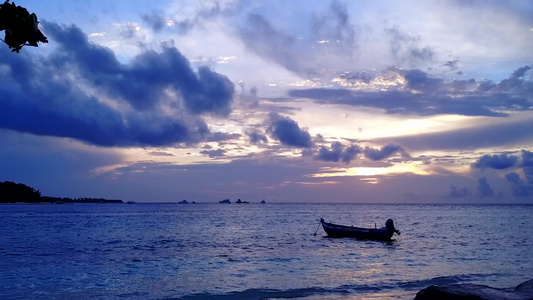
column 341, row 231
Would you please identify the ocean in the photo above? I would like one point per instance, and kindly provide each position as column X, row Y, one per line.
column 256, row 251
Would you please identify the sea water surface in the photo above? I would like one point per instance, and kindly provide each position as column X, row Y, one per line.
column 256, row 251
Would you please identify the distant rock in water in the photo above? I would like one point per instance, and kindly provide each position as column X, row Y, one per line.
column 263, row 202
column 183, row 202
column 468, row 291
column 239, row 201
column 225, row 201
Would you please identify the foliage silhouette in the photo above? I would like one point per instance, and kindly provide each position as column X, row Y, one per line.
column 20, row 26
column 11, row 192
column 18, row 192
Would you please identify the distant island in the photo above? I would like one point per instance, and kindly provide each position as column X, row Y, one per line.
column 11, row 192
column 185, row 202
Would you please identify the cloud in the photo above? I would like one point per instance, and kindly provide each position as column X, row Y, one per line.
column 350, row 153
column 458, row 193
column 81, row 91
column 409, row 103
column 419, row 80
column 222, row 136
column 146, row 81
column 128, row 30
column 338, row 153
column 158, row 20
column 288, row 132
column 527, row 165
column 453, row 64
column 527, row 158
column 405, row 47
column 333, row 28
column 39, row 100
column 414, row 92
column 160, row 153
column 328, row 41
column 523, row 188
column 498, row 162
column 384, row 152
column 213, row 153
column 155, row 20
column 492, row 135
column 262, row 38
column 513, row 178
column 484, row 188
column 256, row 137
column 520, row 188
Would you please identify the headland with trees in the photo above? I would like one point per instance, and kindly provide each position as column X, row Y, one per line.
column 11, row 192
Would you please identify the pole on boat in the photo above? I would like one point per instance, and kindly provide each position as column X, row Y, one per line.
column 317, row 229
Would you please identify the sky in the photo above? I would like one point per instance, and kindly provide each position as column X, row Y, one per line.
column 283, row 101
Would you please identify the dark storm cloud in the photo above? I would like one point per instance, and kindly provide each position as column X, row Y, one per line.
column 484, row 188
column 434, row 96
column 145, row 81
column 81, row 117
column 382, row 153
column 213, row 92
column 288, row 132
column 44, row 95
column 338, row 153
column 498, row 162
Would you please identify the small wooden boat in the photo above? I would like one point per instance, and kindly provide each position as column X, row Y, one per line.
column 380, row 234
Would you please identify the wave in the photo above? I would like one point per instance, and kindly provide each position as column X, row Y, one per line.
column 343, row 290
column 462, row 278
